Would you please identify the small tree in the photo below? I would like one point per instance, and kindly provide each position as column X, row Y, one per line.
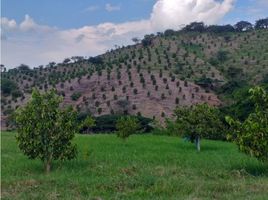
column 44, row 130
column 126, row 126
column 199, row 121
column 87, row 123
column 251, row 136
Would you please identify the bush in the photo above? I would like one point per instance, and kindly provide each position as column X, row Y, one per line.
column 75, row 96
column 126, row 126
column 86, row 125
column 8, row 86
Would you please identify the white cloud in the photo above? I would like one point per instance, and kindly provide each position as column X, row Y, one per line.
column 7, row 24
column 172, row 13
column 111, row 8
column 36, row 44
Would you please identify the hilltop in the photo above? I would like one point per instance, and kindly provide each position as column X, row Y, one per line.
column 150, row 78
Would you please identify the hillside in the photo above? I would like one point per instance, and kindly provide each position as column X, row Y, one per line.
column 150, row 78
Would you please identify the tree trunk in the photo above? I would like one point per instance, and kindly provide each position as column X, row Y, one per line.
column 48, row 163
column 47, row 167
column 197, row 142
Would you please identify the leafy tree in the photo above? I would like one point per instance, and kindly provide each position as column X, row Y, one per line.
column 8, row 86
column 169, row 32
column 75, row 96
column 199, row 121
column 135, row 91
column 135, row 40
column 261, row 24
column 126, row 126
column 251, row 135
column 195, row 26
column 222, row 56
column 243, row 26
column 220, row 29
column 147, row 40
column 96, row 60
column 66, row 60
column 87, row 123
column 44, row 130
column 23, row 68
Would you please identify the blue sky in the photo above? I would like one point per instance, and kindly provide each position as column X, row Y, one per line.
column 36, row 32
column 74, row 14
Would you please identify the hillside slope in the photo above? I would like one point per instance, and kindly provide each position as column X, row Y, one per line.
column 173, row 69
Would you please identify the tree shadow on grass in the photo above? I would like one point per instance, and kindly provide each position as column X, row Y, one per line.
column 210, row 148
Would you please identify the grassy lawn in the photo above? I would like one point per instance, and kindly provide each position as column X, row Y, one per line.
column 144, row 167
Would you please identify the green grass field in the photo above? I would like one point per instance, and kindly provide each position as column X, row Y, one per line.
column 144, row 167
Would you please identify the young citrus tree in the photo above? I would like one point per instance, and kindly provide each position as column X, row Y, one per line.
column 44, row 130
column 251, row 136
column 126, row 126
column 87, row 123
column 197, row 122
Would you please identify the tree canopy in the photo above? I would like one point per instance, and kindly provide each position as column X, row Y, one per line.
column 199, row 121
column 243, row 26
column 44, row 130
column 126, row 126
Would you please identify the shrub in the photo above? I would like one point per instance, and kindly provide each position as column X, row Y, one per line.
column 87, row 124
column 99, row 111
column 177, row 100
column 8, row 86
column 126, row 126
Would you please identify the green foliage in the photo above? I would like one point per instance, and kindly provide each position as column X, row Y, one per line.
column 75, row 96
column 262, row 24
column 251, row 135
column 44, row 130
column 107, row 123
column 8, row 86
column 147, row 40
column 87, row 123
column 243, row 104
column 222, row 56
column 200, row 121
column 126, row 126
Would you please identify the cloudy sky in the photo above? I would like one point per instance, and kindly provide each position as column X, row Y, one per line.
column 35, row 32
